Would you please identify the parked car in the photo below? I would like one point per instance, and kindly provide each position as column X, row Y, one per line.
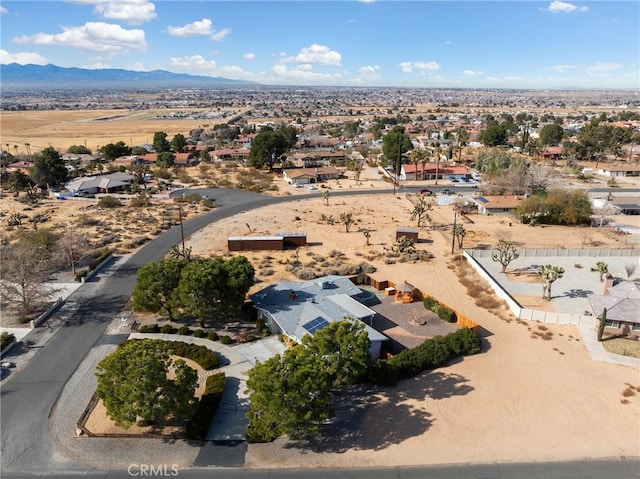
column 311, row 187
column 426, row 192
column 446, row 191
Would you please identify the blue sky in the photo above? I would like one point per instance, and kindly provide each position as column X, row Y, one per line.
column 452, row 44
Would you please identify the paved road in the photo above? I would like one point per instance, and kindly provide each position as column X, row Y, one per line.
column 29, row 397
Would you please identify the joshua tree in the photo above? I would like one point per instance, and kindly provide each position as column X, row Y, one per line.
column 348, row 220
column 504, row 254
column 602, row 268
column 325, row 196
column 550, row 274
column 421, row 209
column 459, row 232
column 367, row 235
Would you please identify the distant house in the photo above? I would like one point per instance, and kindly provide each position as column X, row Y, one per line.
column 305, row 176
column 99, row 184
column 552, row 153
column 311, row 158
column 237, row 154
column 295, row 309
column 622, row 301
column 497, row 205
column 430, row 170
column 619, row 170
column 178, row 158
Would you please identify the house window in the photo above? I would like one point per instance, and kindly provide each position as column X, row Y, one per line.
column 612, row 324
column 505, row 210
column 635, row 327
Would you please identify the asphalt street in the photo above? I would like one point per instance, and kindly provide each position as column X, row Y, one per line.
column 28, row 398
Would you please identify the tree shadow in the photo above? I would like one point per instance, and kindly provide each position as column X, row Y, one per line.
column 374, row 418
column 575, row 293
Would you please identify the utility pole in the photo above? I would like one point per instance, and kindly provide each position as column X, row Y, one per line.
column 181, row 229
column 396, row 167
column 453, row 232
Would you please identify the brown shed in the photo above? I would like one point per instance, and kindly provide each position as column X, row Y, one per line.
column 255, row 243
column 411, row 233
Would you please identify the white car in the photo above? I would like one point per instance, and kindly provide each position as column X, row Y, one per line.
column 311, row 187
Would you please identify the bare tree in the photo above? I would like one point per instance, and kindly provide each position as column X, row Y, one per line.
column 24, row 272
column 504, row 254
column 74, row 248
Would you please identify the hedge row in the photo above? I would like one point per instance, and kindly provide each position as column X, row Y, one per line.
column 443, row 312
column 431, row 354
column 203, row 356
column 185, row 331
column 198, row 426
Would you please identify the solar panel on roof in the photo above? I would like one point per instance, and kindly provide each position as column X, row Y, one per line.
column 482, row 199
column 315, row 324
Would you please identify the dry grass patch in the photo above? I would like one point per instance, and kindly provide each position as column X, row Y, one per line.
column 623, row 347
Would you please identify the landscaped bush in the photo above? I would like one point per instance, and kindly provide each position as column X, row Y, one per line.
column 184, row 331
column 6, row 339
column 443, row 312
column 212, row 336
column 166, row 329
column 225, row 340
column 198, row 333
column 431, row 354
column 199, row 425
column 203, row 356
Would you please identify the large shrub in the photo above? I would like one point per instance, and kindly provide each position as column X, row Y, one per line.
column 206, row 358
column 198, row 426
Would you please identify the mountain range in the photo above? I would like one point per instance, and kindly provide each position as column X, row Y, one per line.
column 14, row 74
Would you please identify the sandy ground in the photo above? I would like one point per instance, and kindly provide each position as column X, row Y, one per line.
column 534, row 394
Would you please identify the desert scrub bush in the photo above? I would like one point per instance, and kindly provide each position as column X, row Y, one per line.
column 87, row 221
column 140, row 201
column 266, row 272
column 148, row 328
column 166, row 329
column 109, row 202
column 305, row 274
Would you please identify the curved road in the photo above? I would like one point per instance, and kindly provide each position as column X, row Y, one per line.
column 28, row 398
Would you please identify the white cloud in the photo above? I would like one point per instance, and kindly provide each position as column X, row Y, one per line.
column 409, row 67
column 23, row 58
column 199, row 27
column 249, row 56
column 562, row 68
column 558, row 6
column 602, row 68
column 194, row 63
column 137, row 67
column 133, row 12
column 472, row 73
column 97, row 66
column 93, row 36
column 304, row 75
column 3, row 10
column 370, row 72
column 317, row 55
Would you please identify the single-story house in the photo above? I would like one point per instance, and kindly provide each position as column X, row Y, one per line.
column 295, row 309
column 622, row 301
column 552, row 153
column 428, row 171
column 619, row 170
column 497, row 205
column 178, row 158
column 305, row 176
column 99, row 184
column 238, row 154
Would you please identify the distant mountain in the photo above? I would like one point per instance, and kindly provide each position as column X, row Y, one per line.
column 13, row 74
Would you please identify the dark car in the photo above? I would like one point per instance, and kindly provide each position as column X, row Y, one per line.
column 446, row 191
column 426, row 192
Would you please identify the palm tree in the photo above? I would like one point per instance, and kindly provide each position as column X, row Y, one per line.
column 416, row 156
column 436, row 152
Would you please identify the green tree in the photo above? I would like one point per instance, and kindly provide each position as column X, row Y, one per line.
column 165, row 159
column 416, row 156
column 156, row 287
column 134, row 384
column 178, row 142
column 19, row 181
column 49, row 169
column 160, row 143
column 289, row 394
column 111, row 151
column 209, row 286
column 551, row 134
column 494, row 135
column 343, row 346
column 79, row 150
column 504, row 254
column 267, row 148
column 394, row 145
